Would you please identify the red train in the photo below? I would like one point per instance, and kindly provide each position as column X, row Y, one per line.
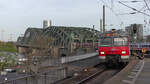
column 114, row 47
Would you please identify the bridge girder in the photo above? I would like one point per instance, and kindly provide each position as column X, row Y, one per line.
column 62, row 36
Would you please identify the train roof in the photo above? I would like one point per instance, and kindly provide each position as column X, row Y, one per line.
column 116, row 32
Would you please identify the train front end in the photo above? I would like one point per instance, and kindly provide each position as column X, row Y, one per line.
column 114, row 49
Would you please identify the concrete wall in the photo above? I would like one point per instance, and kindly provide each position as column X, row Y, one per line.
column 76, row 58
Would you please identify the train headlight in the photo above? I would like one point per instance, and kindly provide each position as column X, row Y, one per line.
column 123, row 52
column 102, row 53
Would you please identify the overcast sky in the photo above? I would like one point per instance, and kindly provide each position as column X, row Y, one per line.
column 17, row 15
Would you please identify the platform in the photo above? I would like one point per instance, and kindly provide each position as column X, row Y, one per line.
column 140, row 74
column 144, row 76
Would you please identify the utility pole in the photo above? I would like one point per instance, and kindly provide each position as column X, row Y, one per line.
column 103, row 18
column 101, row 25
column 93, row 34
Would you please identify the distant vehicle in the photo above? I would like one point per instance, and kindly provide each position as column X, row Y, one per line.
column 114, row 48
column 22, row 59
column 139, row 46
column 10, row 70
column 3, row 73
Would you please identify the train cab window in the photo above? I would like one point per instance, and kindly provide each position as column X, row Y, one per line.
column 142, row 46
column 146, row 46
column 120, row 41
column 106, row 41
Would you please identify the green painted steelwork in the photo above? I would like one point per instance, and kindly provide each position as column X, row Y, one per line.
column 61, row 35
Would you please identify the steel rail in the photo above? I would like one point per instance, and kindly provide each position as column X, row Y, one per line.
column 91, row 76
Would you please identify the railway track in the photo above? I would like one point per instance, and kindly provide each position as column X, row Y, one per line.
column 90, row 74
column 83, row 75
column 102, row 77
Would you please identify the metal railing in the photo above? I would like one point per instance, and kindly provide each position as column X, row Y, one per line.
column 46, row 77
column 20, row 80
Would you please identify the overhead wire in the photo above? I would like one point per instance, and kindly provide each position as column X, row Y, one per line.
column 133, row 1
column 132, row 12
column 111, row 9
column 142, row 10
column 147, row 5
column 134, row 9
column 145, row 20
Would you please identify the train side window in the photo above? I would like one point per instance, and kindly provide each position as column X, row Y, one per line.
column 137, row 46
column 142, row 45
column 146, row 46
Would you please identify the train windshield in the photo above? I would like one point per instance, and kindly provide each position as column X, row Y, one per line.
column 118, row 41
column 113, row 41
column 106, row 41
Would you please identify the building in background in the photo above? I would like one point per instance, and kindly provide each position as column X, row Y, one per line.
column 47, row 23
column 148, row 38
column 135, row 32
